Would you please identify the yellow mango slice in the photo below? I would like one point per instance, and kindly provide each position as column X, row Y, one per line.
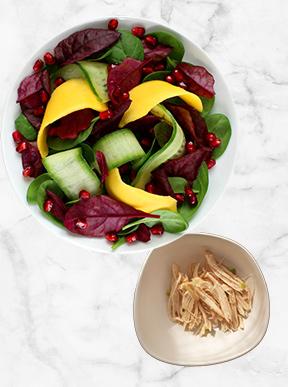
column 72, row 95
column 149, row 94
column 135, row 197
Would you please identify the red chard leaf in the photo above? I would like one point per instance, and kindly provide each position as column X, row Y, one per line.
column 101, row 160
column 58, row 209
column 32, row 85
column 143, row 233
column 31, row 158
column 143, row 124
column 82, row 44
column 198, row 79
column 157, row 53
column 101, row 214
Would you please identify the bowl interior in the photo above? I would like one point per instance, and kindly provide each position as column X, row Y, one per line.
column 166, row 340
column 218, row 176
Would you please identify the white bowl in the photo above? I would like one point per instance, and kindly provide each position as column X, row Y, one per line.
column 167, row 341
column 218, row 176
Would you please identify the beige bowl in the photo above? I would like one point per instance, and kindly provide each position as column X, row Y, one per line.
column 167, row 341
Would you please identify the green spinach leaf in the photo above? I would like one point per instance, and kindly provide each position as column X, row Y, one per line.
column 41, row 197
column 178, row 184
column 156, row 75
column 171, row 40
column 162, row 132
column 220, row 125
column 32, row 191
column 127, row 46
column 25, row 128
column 208, row 104
column 170, row 64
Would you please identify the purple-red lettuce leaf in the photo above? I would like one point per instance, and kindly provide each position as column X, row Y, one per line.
column 143, row 124
column 82, row 44
column 102, row 164
column 70, row 126
column 198, row 79
column 59, row 208
column 157, row 53
column 101, row 214
column 123, row 77
column 143, row 233
column 186, row 166
column 31, row 158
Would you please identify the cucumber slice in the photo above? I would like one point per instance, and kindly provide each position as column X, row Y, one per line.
column 70, row 71
column 96, row 74
column 173, row 148
column 41, row 197
column 119, row 148
column 72, row 173
column 25, row 128
column 31, row 195
column 138, row 163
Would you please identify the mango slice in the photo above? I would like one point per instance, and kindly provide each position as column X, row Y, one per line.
column 72, row 95
column 149, row 94
column 135, row 197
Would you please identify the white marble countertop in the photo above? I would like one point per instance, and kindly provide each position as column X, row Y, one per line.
column 61, row 323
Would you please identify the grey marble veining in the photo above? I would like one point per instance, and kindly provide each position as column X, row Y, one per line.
column 63, row 323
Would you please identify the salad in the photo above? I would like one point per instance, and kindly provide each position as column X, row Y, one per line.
column 117, row 135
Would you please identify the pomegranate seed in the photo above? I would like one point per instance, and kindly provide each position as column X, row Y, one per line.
column 210, row 137
column 124, row 96
column 157, row 229
column 39, row 111
column 22, row 147
column 149, row 187
column 178, row 75
column 146, row 142
column 84, row 194
column 58, row 81
column 188, row 191
column 49, row 58
column 183, row 85
column 159, row 67
column 44, row 96
column 106, row 115
column 179, row 197
column 147, row 70
column 211, row 163
column 112, row 24
column 81, row 224
column 48, row 205
column 170, row 79
column 190, row 147
column 38, row 65
column 151, row 40
column 215, row 143
column 131, row 238
column 193, row 199
column 17, row 136
column 111, row 237
column 138, row 31
column 27, row 172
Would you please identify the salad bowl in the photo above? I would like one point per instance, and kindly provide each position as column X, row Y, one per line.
column 218, row 177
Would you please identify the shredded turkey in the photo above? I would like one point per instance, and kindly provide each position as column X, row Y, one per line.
column 209, row 297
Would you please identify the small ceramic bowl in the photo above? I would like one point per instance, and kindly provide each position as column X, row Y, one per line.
column 167, row 341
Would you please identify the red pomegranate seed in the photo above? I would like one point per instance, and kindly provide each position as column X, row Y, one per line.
column 210, row 137
column 106, row 115
column 131, row 238
column 48, row 205
column 49, row 58
column 81, row 224
column 146, row 142
column 58, row 81
column 159, row 67
column 190, row 147
column 111, row 237
column 17, row 136
column 22, row 147
column 147, row 70
column 112, row 24
column 149, row 187
column 211, row 163
column 138, row 31
column 216, row 143
column 27, row 172
column 170, row 79
column 179, row 197
column 39, row 111
column 84, row 194
column 38, row 65
column 157, row 229
column 44, row 96
column 151, row 40
column 188, row 191
column 192, row 199
column 124, row 96
column 183, row 85
column 178, row 75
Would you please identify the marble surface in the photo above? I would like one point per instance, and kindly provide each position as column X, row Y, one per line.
column 65, row 313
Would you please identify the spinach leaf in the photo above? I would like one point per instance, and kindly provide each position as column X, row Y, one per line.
column 220, row 125
column 88, row 154
column 170, row 64
column 32, row 191
column 138, row 163
column 178, row 184
column 162, row 132
column 208, row 104
column 200, row 184
column 41, row 197
column 171, row 40
column 172, row 222
column 127, row 46
column 121, row 241
column 156, row 75
column 25, row 128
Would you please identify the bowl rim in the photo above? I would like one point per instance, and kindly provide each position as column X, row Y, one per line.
column 209, row 363
column 124, row 249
